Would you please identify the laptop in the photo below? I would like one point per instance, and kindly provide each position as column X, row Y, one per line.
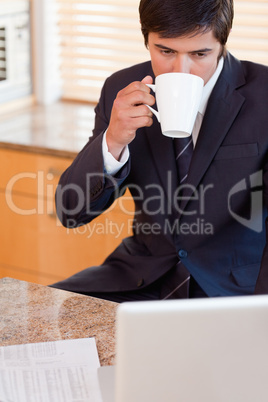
column 197, row 350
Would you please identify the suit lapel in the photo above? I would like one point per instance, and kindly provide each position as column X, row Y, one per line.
column 162, row 152
column 223, row 107
column 163, row 155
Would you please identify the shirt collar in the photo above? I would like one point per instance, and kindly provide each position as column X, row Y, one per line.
column 209, row 87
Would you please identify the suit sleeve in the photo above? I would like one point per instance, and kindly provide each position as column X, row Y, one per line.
column 85, row 190
column 262, row 281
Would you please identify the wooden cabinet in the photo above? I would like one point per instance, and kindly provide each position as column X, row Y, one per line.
column 34, row 245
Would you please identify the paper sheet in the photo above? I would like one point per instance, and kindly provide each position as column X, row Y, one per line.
column 60, row 371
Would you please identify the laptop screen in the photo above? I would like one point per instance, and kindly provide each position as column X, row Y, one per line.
column 192, row 350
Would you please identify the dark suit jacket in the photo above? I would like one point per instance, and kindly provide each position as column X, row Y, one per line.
column 217, row 227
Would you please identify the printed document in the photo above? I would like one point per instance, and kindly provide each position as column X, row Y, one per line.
column 59, row 371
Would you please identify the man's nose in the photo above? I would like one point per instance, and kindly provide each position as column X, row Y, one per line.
column 181, row 64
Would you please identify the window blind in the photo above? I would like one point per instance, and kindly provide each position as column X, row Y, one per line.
column 249, row 37
column 98, row 37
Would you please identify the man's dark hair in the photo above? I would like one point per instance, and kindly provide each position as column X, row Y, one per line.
column 174, row 18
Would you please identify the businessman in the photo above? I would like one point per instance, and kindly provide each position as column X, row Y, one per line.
column 200, row 237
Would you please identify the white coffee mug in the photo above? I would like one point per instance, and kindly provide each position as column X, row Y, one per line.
column 178, row 97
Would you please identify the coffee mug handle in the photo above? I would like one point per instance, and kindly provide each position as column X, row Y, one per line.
column 155, row 112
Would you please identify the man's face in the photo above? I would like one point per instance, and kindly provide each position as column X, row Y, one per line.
column 196, row 55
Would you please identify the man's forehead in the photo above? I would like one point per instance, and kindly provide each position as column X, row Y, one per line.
column 201, row 40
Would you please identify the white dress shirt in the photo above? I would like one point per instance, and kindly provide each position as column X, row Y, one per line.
column 112, row 166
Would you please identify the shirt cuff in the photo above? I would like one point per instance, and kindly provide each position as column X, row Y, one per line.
column 111, row 165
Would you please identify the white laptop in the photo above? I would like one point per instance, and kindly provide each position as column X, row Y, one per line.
column 198, row 350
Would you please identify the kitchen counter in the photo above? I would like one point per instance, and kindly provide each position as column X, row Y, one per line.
column 37, row 144
column 60, row 129
column 34, row 313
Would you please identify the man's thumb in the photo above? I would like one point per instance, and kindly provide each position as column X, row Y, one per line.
column 147, row 80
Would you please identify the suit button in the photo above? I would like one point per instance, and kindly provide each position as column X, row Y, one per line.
column 140, row 283
column 183, row 253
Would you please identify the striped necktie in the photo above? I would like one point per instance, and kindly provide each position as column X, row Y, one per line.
column 177, row 280
column 183, row 148
column 176, row 283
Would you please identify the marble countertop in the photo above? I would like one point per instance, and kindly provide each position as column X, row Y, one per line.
column 59, row 129
column 34, row 313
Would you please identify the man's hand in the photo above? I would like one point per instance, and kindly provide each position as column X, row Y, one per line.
column 128, row 114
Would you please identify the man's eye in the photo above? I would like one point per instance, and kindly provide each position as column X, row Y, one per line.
column 167, row 52
column 199, row 54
